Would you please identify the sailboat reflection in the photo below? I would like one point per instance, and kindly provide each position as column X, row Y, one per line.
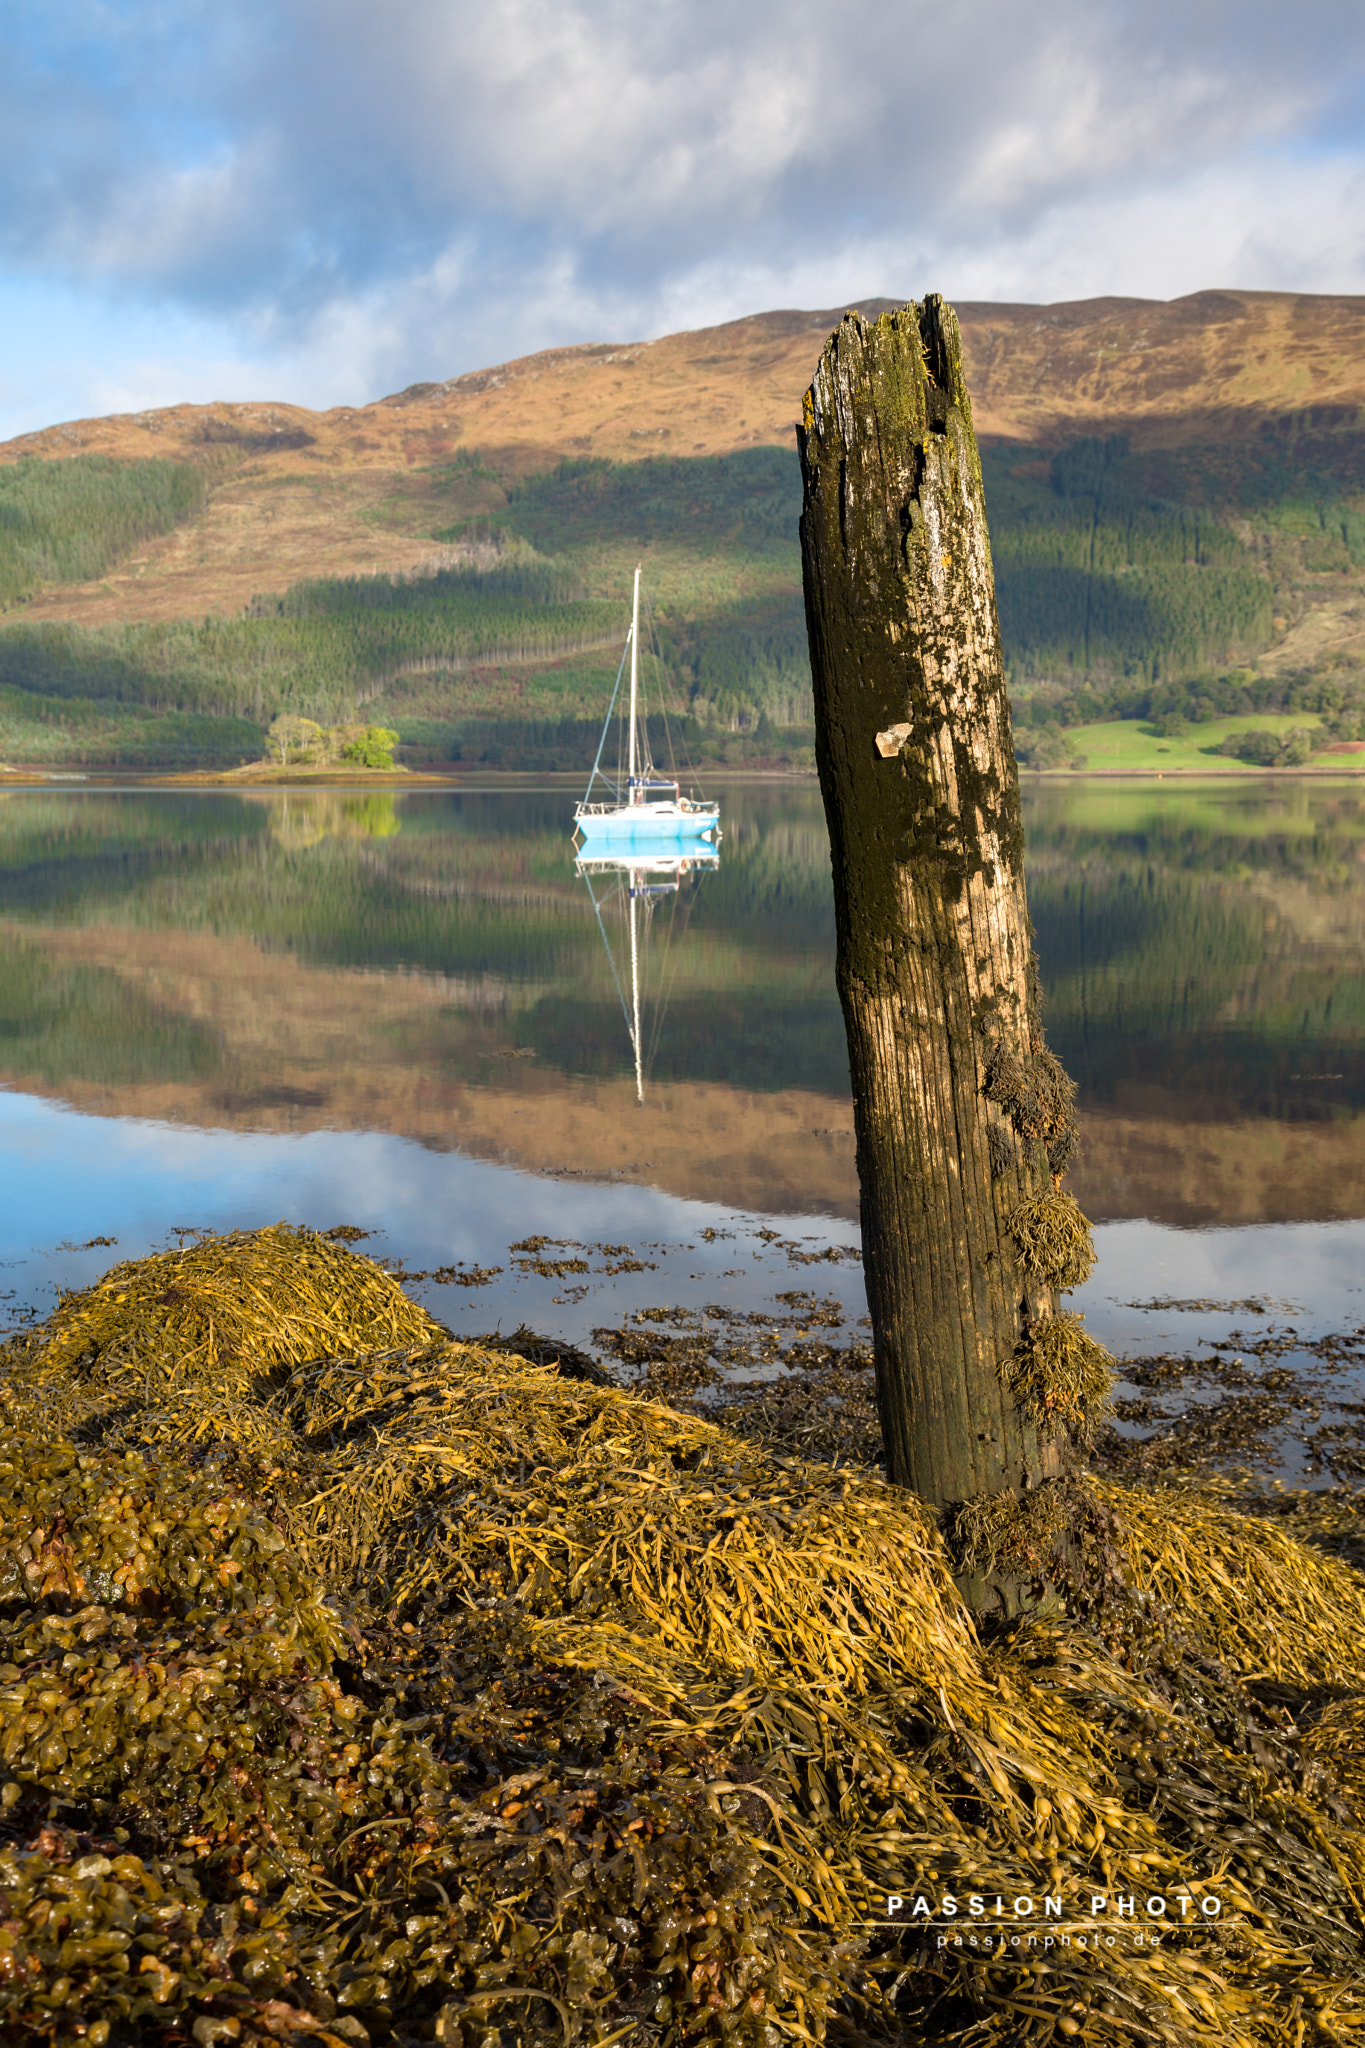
column 628, row 886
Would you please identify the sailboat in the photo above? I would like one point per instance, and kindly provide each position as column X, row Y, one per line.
column 643, row 876
column 651, row 808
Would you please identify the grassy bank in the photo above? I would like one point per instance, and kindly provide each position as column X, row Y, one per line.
column 1116, row 746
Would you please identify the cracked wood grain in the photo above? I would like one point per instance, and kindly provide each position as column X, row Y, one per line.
column 935, row 956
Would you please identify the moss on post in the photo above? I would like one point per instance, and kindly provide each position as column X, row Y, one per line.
column 964, row 1119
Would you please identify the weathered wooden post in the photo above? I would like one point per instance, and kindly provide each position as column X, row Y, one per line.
column 964, row 1119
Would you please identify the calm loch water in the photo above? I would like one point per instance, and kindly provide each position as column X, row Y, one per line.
column 415, row 1015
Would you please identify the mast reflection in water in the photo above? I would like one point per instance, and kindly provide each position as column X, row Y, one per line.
column 628, row 889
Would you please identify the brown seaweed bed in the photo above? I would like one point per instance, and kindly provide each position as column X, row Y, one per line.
column 362, row 1685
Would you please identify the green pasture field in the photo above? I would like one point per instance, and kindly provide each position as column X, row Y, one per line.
column 1122, row 746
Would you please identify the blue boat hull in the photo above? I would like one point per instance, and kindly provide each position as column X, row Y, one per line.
column 643, row 830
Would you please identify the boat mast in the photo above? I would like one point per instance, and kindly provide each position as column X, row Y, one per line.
column 635, row 990
column 634, row 680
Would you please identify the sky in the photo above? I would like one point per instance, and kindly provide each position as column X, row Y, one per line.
column 322, row 201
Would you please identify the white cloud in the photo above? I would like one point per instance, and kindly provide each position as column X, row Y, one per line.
column 351, row 198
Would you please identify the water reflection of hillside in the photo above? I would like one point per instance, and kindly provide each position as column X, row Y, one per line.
column 1203, row 953
column 293, row 961
column 1205, row 959
column 271, row 966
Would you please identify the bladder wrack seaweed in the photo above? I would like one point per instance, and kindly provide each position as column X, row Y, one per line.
column 1038, row 1096
column 362, row 1685
column 1054, row 1239
column 1059, row 1376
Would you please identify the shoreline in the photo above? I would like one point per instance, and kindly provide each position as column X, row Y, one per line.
column 396, row 780
column 401, row 779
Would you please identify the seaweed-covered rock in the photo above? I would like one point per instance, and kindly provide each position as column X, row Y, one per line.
column 424, row 1694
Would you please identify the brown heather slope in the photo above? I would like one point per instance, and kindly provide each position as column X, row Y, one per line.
column 296, row 493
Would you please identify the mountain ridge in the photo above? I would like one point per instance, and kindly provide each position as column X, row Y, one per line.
column 1036, row 372
column 293, row 493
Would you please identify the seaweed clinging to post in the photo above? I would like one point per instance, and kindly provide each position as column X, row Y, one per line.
column 964, row 1118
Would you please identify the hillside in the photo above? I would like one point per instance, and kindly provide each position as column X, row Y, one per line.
column 1174, row 489
column 1216, row 368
